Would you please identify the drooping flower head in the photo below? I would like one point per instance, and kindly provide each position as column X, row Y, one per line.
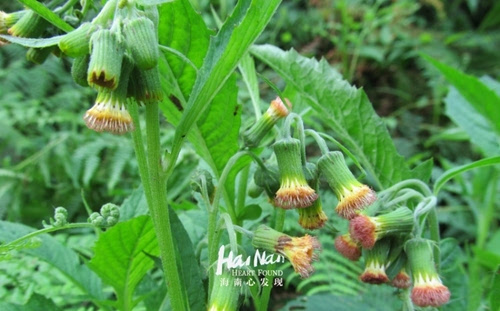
column 347, row 247
column 376, row 263
column 225, row 293
column 352, row 195
column 294, row 192
column 300, row 251
column 312, row 217
column 367, row 230
column 276, row 111
column 402, row 280
column 76, row 42
column 109, row 113
column 428, row 290
column 146, row 87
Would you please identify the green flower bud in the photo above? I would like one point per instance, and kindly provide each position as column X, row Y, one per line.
column 109, row 114
column 38, row 55
column 106, row 58
column 376, row 263
column 276, row 111
column 30, row 25
column 312, row 217
column 77, row 42
column 79, row 70
column 225, row 293
column 146, row 85
column 142, row 42
column 197, row 183
column 97, row 220
column 7, row 20
column 352, row 195
column 268, row 179
column 367, row 230
column 428, row 290
column 300, row 251
column 294, row 190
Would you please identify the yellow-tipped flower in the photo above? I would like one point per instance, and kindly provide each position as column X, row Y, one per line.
column 376, row 263
column 402, row 280
column 294, row 192
column 312, row 217
column 347, row 247
column 367, row 230
column 300, row 251
column 428, row 290
column 7, row 20
column 352, row 195
column 109, row 114
column 276, row 111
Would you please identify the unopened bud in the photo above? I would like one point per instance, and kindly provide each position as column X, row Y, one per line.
column 106, row 59
column 146, row 85
column 30, row 25
column 77, row 42
column 142, row 42
column 38, row 55
column 79, row 70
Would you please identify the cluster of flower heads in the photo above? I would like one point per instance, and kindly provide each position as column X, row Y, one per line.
column 385, row 240
column 120, row 43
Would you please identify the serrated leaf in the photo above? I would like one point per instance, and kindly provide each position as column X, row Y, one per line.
column 483, row 99
column 33, row 42
column 120, row 258
column 58, row 256
column 134, row 205
column 344, row 108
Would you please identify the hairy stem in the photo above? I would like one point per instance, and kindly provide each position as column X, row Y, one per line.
column 158, row 207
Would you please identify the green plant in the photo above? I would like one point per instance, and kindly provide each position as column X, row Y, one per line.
column 158, row 250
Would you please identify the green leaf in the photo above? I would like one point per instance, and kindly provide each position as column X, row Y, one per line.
column 47, row 14
column 152, row 2
column 345, row 108
column 250, row 212
column 35, row 303
column 120, row 258
column 33, row 43
column 480, row 131
column 240, row 30
column 134, row 205
column 451, row 173
column 453, row 274
column 191, row 275
column 59, row 256
column 482, row 98
column 495, row 291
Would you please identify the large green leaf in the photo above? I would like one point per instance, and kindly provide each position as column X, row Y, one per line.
column 240, row 30
column 59, row 256
column 344, row 108
column 120, row 258
column 481, row 97
column 191, row 275
column 480, row 131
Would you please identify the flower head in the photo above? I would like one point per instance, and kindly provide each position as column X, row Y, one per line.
column 352, row 195
column 109, row 114
column 300, row 251
column 347, row 247
column 294, row 192
column 428, row 290
column 276, row 111
column 312, row 217
column 402, row 279
column 28, row 25
column 367, row 230
column 376, row 263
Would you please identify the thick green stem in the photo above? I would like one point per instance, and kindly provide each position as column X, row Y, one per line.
column 263, row 302
column 158, row 206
